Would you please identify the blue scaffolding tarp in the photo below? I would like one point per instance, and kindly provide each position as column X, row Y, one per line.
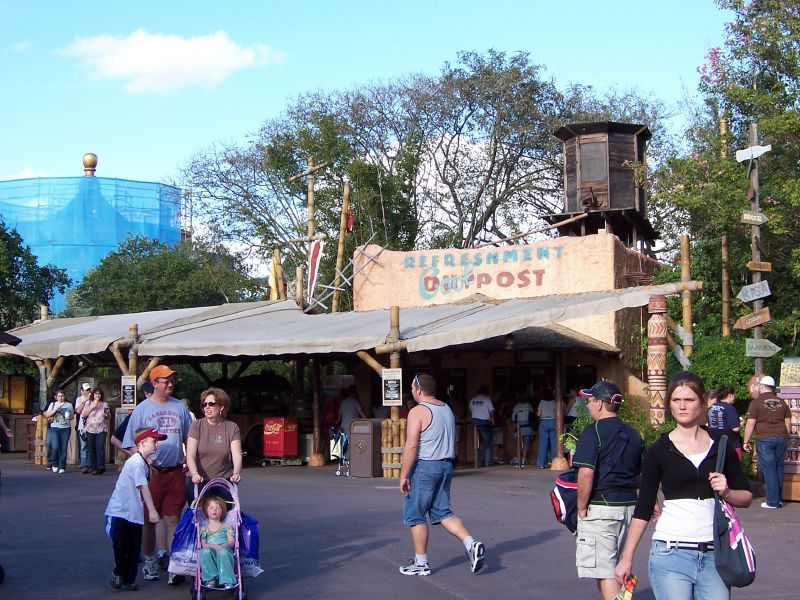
column 74, row 222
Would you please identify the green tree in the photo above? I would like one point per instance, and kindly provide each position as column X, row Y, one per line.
column 24, row 284
column 144, row 274
column 434, row 161
column 703, row 190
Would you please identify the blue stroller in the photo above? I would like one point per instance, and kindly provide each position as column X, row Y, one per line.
column 339, row 451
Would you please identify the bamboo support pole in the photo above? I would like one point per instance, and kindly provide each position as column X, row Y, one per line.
column 54, row 371
column 121, row 362
column 340, row 249
column 39, row 442
column 298, row 292
column 133, row 352
column 726, row 288
column 686, row 298
column 310, row 193
column 755, row 231
column 559, row 463
column 280, row 281
column 386, row 438
column 396, row 444
column 152, row 364
column 371, row 362
column 316, row 459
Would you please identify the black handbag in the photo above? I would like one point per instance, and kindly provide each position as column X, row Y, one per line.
column 734, row 556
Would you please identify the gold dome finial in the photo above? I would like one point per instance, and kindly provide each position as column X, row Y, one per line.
column 89, row 164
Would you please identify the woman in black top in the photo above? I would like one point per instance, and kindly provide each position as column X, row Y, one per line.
column 682, row 462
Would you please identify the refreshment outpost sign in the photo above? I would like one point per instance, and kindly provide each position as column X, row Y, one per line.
column 426, row 277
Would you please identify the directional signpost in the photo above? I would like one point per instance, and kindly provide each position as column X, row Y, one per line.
column 761, row 348
column 752, row 217
column 754, row 319
column 759, row 265
column 754, row 291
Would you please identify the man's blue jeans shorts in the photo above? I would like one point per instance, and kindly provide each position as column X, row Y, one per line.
column 430, row 493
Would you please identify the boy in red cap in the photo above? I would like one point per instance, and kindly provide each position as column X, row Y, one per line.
column 125, row 512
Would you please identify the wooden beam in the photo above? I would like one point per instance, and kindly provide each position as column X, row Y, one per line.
column 371, row 362
column 199, row 370
column 154, row 362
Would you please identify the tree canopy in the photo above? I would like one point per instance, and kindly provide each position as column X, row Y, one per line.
column 753, row 78
column 434, row 161
column 24, row 284
column 145, row 274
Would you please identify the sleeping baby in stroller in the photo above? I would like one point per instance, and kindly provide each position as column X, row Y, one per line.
column 217, row 562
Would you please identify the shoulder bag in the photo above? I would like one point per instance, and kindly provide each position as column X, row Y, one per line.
column 734, row 556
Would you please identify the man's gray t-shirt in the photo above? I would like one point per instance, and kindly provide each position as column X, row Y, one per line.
column 170, row 418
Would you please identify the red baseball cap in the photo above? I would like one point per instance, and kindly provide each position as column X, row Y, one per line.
column 149, row 433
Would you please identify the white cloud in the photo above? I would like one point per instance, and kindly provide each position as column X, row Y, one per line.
column 165, row 63
column 25, row 173
column 20, row 47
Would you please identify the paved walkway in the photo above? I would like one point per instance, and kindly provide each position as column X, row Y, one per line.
column 335, row 538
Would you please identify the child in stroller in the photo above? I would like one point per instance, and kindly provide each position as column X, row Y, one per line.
column 217, row 563
column 339, row 450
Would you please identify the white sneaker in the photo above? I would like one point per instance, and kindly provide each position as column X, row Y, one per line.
column 475, row 554
column 413, row 568
column 61, row 471
column 55, row 469
column 765, row 505
column 150, row 570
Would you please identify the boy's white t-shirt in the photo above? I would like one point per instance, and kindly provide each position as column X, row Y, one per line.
column 126, row 499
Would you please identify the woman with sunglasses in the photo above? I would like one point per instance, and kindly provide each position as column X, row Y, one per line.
column 214, row 445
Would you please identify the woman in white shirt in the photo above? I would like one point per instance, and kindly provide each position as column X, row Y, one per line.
column 682, row 462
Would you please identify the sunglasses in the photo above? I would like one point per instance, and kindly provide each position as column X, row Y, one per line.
column 208, row 404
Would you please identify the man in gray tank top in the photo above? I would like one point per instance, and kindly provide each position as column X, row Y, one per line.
column 426, row 474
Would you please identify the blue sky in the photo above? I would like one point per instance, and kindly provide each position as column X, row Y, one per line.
column 145, row 85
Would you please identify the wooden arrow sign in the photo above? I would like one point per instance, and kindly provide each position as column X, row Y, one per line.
column 760, row 348
column 754, row 319
column 754, row 291
column 759, row 265
column 752, row 217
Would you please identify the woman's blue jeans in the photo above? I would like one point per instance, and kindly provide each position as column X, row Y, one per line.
column 684, row 574
column 547, row 441
column 60, row 441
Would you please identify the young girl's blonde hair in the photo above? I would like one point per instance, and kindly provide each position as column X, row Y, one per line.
column 218, row 500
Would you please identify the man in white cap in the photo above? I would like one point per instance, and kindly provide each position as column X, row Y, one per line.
column 769, row 417
column 83, row 453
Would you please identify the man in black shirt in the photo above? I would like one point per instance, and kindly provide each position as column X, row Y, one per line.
column 608, row 458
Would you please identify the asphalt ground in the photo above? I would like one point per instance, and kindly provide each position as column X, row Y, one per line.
column 331, row 538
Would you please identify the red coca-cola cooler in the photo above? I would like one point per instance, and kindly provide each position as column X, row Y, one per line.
column 280, row 437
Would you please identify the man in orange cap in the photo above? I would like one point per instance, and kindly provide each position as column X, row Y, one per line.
column 167, row 483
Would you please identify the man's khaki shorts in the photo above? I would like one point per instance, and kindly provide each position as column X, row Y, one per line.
column 601, row 536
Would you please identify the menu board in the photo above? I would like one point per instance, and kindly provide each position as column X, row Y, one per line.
column 392, row 387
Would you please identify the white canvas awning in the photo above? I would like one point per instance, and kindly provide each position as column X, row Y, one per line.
column 280, row 328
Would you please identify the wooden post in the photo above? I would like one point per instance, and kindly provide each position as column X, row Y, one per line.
column 280, row 281
column 298, row 292
column 756, row 236
column 337, row 280
column 316, row 459
column 133, row 351
column 386, row 440
column 394, row 363
column 657, row 358
column 310, row 197
column 559, row 463
column 686, row 298
column 726, row 289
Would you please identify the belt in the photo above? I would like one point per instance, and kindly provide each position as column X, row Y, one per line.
column 696, row 546
column 167, row 469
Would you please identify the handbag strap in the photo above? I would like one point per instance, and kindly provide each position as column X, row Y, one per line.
column 722, row 447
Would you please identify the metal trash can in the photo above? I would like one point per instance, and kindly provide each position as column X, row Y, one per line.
column 365, row 448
